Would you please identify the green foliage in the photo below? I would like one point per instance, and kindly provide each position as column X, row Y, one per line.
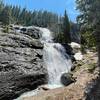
column 59, row 37
column 91, row 67
column 16, row 15
column 66, row 27
column 6, row 29
column 63, row 35
column 1, row 5
column 5, row 16
column 89, row 20
column 83, row 49
column 90, row 12
column 89, row 39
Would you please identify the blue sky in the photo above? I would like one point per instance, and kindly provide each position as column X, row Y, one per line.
column 56, row 6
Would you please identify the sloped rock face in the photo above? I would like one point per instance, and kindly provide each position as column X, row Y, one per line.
column 21, row 64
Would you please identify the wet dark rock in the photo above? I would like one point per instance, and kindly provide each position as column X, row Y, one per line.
column 72, row 58
column 35, row 33
column 68, row 49
column 67, row 79
column 31, row 31
column 23, row 29
column 21, row 64
column 73, row 67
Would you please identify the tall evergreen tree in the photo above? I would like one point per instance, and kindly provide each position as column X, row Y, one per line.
column 5, row 16
column 90, row 18
column 66, row 27
column 1, row 5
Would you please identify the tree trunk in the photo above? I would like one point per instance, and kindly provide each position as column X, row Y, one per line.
column 98, row 46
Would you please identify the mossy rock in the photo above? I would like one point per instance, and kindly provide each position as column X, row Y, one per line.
column 76, row 66
column 91, row 67
column 6, row 29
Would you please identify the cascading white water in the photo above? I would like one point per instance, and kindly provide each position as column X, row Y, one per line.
column 55, row 58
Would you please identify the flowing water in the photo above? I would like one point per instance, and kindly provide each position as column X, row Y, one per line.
column 56, row 60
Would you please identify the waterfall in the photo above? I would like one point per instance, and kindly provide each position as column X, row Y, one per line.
column 55, row 58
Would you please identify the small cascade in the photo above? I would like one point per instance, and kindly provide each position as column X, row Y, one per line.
column 55, row 58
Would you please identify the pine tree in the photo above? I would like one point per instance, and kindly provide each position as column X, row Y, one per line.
column 1, row 5
column 66, row 28
column 89, row 18
column 5, row 16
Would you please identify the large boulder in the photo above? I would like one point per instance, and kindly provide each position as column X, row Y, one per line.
column 21, row 64
column 67, row 79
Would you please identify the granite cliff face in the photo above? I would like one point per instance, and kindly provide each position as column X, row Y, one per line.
column 21, row 61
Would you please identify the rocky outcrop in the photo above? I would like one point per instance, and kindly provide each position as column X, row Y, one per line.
column 32, row 31
column 21, row 62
